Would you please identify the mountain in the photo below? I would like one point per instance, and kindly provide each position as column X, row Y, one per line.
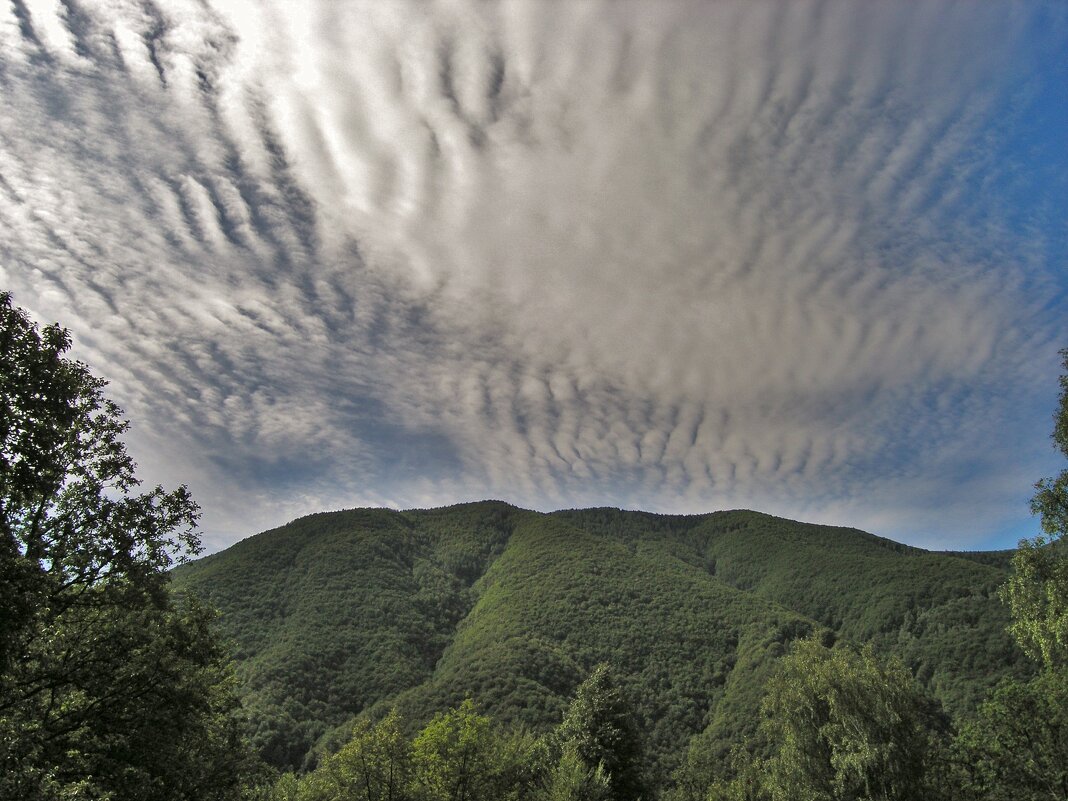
column 346, row 613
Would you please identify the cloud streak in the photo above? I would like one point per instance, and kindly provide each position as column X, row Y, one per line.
column 682, row 255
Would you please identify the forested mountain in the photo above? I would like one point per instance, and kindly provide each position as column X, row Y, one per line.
column 487, row 653
column 352, row 613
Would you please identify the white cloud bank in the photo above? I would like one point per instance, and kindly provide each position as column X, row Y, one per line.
column 801, row 257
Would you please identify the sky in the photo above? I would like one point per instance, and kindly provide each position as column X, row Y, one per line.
column 801, row 257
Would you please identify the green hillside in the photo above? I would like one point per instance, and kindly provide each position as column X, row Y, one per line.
column 354, row 612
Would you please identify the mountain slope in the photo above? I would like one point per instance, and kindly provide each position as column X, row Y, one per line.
column 334, row 612
column 938, row 611
column 349, row 612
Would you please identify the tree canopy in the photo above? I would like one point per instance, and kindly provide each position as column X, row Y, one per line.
column 1016, row 747
column 847, row 725
column 599, row 729
column 108, row 687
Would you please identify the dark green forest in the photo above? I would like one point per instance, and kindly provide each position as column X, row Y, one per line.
column 483, row 651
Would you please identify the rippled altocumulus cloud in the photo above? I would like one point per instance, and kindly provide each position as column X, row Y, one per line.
column 803, row 257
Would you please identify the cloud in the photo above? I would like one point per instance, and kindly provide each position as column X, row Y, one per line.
column 679, row 255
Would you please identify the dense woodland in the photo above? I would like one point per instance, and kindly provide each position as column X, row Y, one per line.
column 487, row 652
column 515, row 608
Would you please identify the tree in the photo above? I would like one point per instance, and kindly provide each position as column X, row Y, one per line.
column 460, row 756
column 1016, row 748
column 747, row 782
column 376, row 764
column 599, row 729
column 842, row 725
column 1037, row 592
column 571, row 779
column 108, row 687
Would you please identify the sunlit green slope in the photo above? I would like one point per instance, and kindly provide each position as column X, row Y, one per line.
column 342, row 613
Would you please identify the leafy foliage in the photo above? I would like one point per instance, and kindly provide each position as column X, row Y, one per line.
column 458, row 756
column 598, row 729
column 572, row 779
column 1016, row 748
column 375, row 765
column 1037, row 593
column 844, row 725
column 840, row 724
column 108, row 689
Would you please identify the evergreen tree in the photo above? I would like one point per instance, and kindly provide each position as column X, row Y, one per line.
column 571, row 779
column 598, row 727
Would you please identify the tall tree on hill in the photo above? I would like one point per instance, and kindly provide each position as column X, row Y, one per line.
column 108, row 688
